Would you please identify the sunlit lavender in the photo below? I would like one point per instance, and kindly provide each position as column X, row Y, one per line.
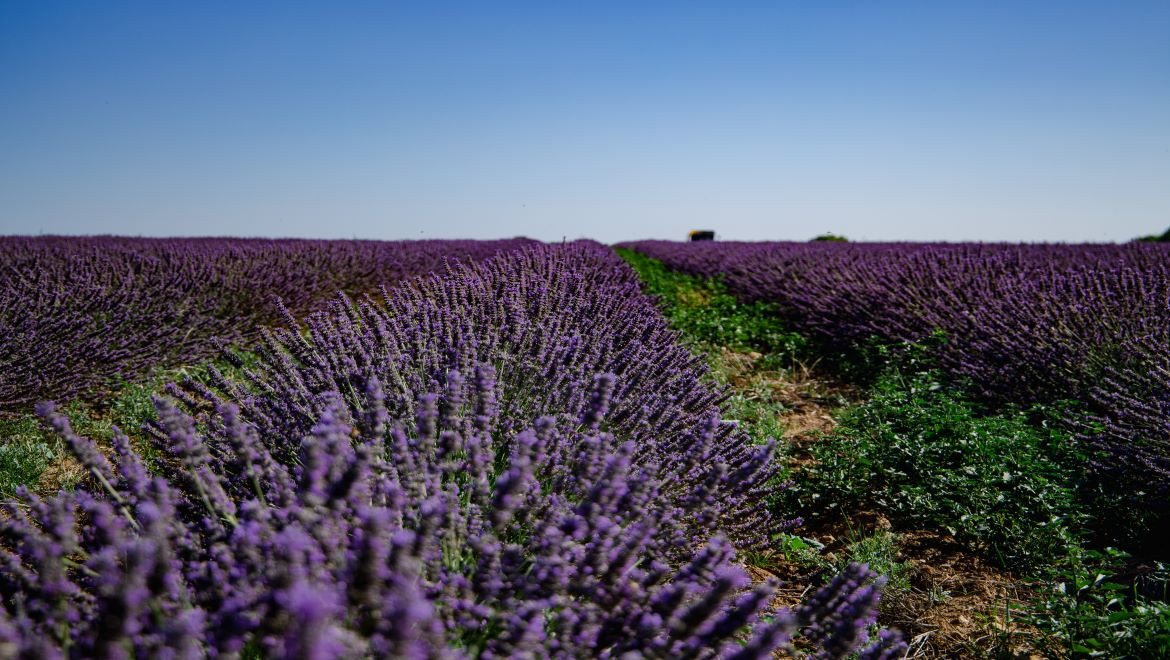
column 1020, row 323
column 513, row 458
column 76, row 313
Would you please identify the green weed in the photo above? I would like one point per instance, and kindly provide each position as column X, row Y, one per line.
column 1094, row 610
column 926, row 457
column 709, row 316
column 25, row 452
column 27, row 449
column 880, row 551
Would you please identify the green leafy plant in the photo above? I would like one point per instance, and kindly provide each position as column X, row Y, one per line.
column 926, row 456
column 1093, row 610
column 25, row 453
column 708, row 315
column 880, row 552
column 27, row 450
column 794, row 553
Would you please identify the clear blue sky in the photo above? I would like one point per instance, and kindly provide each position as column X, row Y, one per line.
column 879, row 120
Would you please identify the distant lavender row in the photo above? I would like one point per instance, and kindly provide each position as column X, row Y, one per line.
column 1023, row 322
column 513, row 459
column 75, row 312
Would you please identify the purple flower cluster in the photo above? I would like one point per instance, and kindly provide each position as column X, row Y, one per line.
column 1023, row 323
column 514, row 458
column 76, row 312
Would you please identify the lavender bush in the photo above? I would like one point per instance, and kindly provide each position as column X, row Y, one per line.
column 512, row 459
column 76, row 312
column 1023, row 323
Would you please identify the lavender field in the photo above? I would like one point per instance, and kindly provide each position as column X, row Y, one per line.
column 926, row 414
column 1012, row 425
column 505, row 448
column 1018, row 323
column 77, row 312
column 511, row 456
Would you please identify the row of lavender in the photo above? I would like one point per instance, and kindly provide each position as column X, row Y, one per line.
column 76, row 312
column 1022, row 322
column 514, row 458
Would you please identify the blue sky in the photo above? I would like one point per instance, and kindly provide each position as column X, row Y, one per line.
column 878, row 120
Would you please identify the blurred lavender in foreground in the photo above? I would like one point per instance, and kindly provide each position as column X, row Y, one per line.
column 513, row 459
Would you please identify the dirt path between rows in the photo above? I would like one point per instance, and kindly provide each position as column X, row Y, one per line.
column 957, row 604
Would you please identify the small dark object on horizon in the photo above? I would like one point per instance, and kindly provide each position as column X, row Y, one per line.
column 701, row 235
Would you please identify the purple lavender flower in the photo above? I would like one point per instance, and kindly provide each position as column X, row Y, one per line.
column 76, row 312
column 460, row 468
